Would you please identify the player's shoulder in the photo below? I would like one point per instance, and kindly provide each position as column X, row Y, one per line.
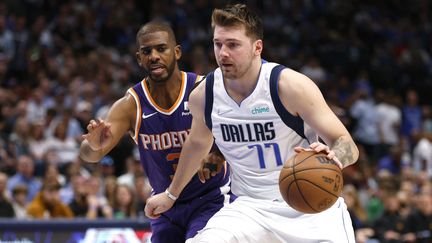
column 202, row 80
column 195, row 77
column 293, row 81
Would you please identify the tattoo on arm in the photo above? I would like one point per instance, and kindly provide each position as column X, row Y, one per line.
column 343, row 149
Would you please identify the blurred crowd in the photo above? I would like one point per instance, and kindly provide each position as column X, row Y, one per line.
column 65, row 62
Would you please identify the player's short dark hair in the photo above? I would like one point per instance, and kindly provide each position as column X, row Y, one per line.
column 156, row 26
column 237, row 15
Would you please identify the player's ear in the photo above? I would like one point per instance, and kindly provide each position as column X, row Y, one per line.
column 258, row 47
column 177, row 52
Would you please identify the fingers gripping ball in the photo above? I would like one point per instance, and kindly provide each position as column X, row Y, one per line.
column 309, row 182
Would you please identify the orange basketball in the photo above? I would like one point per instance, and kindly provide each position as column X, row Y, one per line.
column 309, row 182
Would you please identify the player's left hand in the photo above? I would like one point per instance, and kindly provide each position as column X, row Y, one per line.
column 158, row 204
column 319, row 147
column 212, row 164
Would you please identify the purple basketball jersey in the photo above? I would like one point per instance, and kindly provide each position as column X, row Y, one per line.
column 160, row 134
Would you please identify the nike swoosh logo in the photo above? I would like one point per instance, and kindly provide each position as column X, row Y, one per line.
column 144, row 116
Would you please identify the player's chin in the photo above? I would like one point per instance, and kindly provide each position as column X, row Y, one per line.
column 159, row 77
column 228, row 74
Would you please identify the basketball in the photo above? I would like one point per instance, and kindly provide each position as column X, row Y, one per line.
column 310, row 182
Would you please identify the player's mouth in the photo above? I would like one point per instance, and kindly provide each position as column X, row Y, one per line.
column 226, row 65
column 157, row 70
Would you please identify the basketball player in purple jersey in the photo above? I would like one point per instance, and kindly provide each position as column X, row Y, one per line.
column 155, row 112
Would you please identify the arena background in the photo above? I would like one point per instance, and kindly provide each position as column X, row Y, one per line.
column 64, row 62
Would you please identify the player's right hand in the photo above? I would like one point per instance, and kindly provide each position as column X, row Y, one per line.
column 158, row 204
column 99, row 135
column 319, row 147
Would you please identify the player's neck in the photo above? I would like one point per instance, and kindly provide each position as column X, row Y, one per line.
column 241, row 87
column 166, row 94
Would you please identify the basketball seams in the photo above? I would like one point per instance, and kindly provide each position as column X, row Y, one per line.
column 319, row 168
column 313, row 168
column 318, row 187
column 295, row 180
column 307, row 157
column 295, row 163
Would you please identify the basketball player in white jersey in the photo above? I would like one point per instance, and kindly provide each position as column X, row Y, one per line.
column 259, row 114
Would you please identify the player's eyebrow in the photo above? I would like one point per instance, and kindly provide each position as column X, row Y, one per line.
column 225, row 40
column 152, row 46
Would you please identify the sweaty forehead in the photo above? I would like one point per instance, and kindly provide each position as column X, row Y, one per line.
column 154, row 38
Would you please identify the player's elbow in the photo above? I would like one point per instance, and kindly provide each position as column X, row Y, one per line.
column 354, row 151
column 88, row 155
column 87, row 158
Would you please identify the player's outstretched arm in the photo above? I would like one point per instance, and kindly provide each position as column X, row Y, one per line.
column 302, row 97
column 103, row 135
column 196, row 147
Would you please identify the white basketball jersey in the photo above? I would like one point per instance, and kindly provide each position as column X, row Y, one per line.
column 257, row 136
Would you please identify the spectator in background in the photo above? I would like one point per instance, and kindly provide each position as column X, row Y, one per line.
column 61, row 149
column 422, row 156
column 389, row 120
column 96, row 199
column 107, row 166
column 82, row 205
column 6, row 209
column 47, row 203
column 124, row 202
column 37, row 140
column 364, row 112
column 19, row 138
column 393, row 162
column 7, row 44
column 84, row 113
column 36, row 108
column 411, row 117
column 419, row 222
column 427, row 118
column 110, row 185
column 52, row 175
column 25, row 176
column 71, row 125
column 355, row 208
column 143, row 191
column 390, row 226
column 133, row 166
column 73, row 172
column 313, row 70
column 19, row 203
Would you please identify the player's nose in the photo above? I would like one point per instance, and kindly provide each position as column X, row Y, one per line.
column 154, row 55
column 223, row 52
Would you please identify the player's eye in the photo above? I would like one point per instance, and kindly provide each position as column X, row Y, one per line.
column 161, row 48
column 232, row 45
column 146, row 51
column 218, row 45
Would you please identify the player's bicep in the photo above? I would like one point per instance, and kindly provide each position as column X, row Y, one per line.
column 302, row 97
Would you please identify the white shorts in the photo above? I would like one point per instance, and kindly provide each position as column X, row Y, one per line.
column 252, row 220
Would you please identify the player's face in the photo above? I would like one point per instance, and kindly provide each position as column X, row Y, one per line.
column 234, row 50
column 158, row 55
